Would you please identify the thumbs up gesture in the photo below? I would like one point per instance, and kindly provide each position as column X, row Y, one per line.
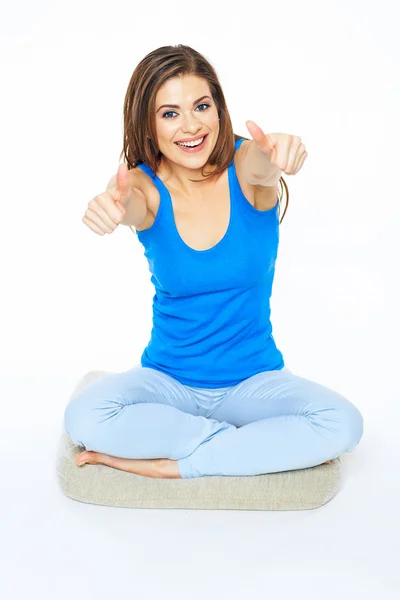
column 286, row 152
column 106, row 211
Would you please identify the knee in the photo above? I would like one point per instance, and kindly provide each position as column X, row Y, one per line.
column 90, row 411
column 77, row 420
column 354, row 427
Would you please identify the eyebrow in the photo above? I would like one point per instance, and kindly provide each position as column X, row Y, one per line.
column 177, row 105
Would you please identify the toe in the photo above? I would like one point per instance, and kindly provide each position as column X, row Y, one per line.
column 85, row 457
column 80, row 459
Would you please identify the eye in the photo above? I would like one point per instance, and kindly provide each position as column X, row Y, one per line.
column 172, row 111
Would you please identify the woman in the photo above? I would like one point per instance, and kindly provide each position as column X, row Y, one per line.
column 207, row 217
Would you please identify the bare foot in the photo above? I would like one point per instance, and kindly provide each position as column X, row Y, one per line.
column 152, row 467
column 87, row 457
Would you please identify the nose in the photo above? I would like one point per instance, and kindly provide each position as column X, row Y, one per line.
column 191, row 125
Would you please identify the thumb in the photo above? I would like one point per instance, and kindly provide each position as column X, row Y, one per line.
column 123, row 187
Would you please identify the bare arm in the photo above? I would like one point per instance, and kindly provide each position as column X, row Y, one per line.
column 136, row 205
column 264, row 191
column 257, row 168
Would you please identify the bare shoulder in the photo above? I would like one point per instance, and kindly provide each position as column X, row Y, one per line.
column 260, row 197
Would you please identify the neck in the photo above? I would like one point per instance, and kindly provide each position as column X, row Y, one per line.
column 178, row 177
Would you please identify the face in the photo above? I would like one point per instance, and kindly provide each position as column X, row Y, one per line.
column 192, row 117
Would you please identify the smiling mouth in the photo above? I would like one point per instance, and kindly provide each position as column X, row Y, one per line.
column 196, row 145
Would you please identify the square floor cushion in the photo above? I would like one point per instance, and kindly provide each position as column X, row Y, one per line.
column 301, row 489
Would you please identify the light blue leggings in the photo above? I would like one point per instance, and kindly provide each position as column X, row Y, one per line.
column 286, row 422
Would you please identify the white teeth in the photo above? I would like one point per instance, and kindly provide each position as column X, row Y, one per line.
column 191, row 144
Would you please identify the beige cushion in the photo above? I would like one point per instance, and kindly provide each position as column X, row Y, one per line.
column 98, row 484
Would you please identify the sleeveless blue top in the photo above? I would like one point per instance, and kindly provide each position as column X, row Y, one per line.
column 211, row 308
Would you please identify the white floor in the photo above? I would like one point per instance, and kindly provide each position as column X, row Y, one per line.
column 53, row 547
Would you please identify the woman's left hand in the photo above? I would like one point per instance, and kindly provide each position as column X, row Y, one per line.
column 285, row 151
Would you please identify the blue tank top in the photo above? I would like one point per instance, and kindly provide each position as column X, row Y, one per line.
column 211, row 308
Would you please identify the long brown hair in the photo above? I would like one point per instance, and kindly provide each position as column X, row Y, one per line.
column 140, row 139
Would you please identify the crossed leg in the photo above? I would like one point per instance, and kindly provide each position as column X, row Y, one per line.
column 301, row 422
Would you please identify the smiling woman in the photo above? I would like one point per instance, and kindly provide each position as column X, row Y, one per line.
column 173, row 99
column 211, row 238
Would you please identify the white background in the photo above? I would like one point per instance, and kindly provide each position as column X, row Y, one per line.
column 73, row 301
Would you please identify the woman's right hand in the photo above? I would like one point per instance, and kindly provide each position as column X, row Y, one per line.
column 106, row 211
